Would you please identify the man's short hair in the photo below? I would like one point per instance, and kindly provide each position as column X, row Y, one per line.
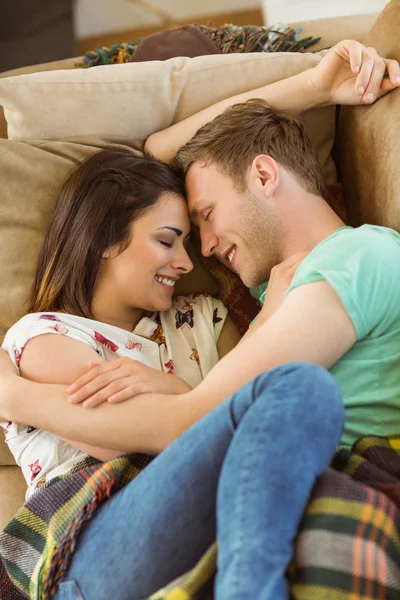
column 243, row 131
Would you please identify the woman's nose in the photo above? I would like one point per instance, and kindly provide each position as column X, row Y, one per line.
column 183, row 262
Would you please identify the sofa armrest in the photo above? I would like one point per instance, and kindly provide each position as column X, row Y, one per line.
column 332, row 31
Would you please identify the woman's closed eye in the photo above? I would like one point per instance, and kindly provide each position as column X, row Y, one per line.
column 166, row 244
column 206, row 215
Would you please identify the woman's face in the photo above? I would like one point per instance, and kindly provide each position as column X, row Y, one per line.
column 144, row 275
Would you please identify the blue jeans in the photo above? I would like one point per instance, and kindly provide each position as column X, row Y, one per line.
column 241, row 475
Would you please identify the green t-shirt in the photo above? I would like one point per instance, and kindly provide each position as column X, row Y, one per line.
column 363, row 267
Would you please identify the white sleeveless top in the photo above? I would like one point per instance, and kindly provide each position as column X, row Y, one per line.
column 182, row 341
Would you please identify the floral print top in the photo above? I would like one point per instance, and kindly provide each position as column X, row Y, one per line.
column 182, row 341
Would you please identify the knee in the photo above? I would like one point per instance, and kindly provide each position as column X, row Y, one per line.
column 310, row 386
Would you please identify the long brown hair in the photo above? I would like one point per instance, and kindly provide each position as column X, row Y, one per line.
column 93, row 212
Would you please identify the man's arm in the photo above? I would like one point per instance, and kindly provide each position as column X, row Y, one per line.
column 294, row 94
column 311, row 325
column 349, row 73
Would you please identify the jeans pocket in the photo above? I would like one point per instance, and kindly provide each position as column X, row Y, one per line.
column 69, row 590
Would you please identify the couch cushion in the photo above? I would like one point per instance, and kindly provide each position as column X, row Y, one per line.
column 13, row 490
column 369, row 141
column 69, row 63
column 128, row 102
column 6, row 458
column 31, row 174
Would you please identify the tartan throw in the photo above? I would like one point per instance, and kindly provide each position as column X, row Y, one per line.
column 348, row 546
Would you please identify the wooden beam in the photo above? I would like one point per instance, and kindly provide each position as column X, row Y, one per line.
column 243, row 17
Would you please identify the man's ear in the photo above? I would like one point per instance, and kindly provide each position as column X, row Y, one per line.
column 265, row 174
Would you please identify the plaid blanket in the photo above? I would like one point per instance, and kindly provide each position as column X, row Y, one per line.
column 348, row 547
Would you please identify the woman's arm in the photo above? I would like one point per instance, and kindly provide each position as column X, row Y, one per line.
column 59, row 359
column 348, row 74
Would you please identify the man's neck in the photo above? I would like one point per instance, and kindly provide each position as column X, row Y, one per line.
column 305, row 222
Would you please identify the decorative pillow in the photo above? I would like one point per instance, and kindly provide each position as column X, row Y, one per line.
column 128, row 102
column 369, row 141
column 31, row 175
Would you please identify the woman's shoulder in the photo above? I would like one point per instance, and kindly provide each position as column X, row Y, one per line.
column 44, row 319
column 40, row 323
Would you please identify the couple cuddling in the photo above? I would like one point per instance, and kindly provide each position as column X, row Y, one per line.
column 231, row 422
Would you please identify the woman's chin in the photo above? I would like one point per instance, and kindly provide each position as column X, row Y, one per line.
column 161, row 304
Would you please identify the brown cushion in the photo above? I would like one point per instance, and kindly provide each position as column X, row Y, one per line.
column 369, row 141
column 31, row 174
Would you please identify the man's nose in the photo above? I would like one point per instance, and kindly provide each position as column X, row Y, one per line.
column 209, row 242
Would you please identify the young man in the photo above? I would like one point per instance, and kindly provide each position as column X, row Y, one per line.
column 256, row 193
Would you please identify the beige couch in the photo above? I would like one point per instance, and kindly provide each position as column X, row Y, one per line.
column 359, row 146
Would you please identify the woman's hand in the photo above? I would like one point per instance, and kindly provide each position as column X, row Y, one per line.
column 280, row 279
column 353, row 74
column 121, row 379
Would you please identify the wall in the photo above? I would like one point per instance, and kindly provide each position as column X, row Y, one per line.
column 94, row 17
column 276, row 11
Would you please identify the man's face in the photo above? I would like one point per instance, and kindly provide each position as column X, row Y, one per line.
column 238, row 228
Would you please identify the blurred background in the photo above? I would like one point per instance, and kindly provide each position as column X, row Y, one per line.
column 36, row 31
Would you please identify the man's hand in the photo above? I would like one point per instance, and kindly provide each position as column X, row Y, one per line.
column 122, row 379
column 353, row 74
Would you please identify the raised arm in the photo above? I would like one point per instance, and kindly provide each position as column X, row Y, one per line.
column 348, row 74
column 311, row 325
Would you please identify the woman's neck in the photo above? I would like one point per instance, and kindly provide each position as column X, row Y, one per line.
column 109, row 310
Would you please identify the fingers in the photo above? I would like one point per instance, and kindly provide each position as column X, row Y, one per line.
column 370, row 61
column 118, row 390
column 96, row 383
column 393, row 75
column 355, row 50
column 93, row 372
column 377, row 76
column 129, row 392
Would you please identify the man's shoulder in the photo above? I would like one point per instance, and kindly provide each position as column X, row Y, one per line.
column 364, row 236
column 368, row 243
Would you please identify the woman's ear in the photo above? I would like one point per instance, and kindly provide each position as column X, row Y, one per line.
column 111, row 252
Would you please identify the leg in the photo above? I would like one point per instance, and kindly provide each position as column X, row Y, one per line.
column 160, row 524
column 279, row 449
